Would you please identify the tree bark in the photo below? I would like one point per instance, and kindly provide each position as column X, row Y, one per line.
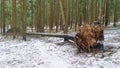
column 51, row 16
column 65, row 36
column 24, row 23
column 4, row 26
column 14, row 21
column 57, row 15
column 106, row 12
column 67, row 15
column 115, row 12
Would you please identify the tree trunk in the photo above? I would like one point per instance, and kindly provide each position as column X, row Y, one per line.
column 115, row 12
column 57, row 15
column 14, row 21
column 41, row 13
column 65, row 36
column 76, row 17
column 67, row 15
column 4, row 16
column 51, row 16
column 32, row 13
column 24, row 23
column 1, row 15
column 100, row 12
column 106, row 12
column 62, row 22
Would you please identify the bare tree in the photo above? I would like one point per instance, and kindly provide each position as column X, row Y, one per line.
column 24, row 23
column 115, row 12
column 14, row 18
column 106, row 12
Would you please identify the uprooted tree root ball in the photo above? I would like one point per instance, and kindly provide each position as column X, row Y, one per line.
column 89, row 38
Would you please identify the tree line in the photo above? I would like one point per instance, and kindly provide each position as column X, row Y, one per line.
column 55, row 15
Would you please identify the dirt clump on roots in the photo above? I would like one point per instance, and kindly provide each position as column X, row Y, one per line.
column 89, row 38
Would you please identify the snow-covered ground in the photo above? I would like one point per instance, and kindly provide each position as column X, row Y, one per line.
column 47, row 52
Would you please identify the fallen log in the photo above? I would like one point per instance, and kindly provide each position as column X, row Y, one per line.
column 66, row 37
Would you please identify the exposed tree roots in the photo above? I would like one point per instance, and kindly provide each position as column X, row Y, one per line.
column 89, row 38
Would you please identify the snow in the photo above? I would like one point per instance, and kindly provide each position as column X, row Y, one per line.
column 111, row 24
column 47, row 52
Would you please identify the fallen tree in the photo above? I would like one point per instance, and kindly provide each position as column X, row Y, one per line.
column 88, row 39
column 66, row 37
